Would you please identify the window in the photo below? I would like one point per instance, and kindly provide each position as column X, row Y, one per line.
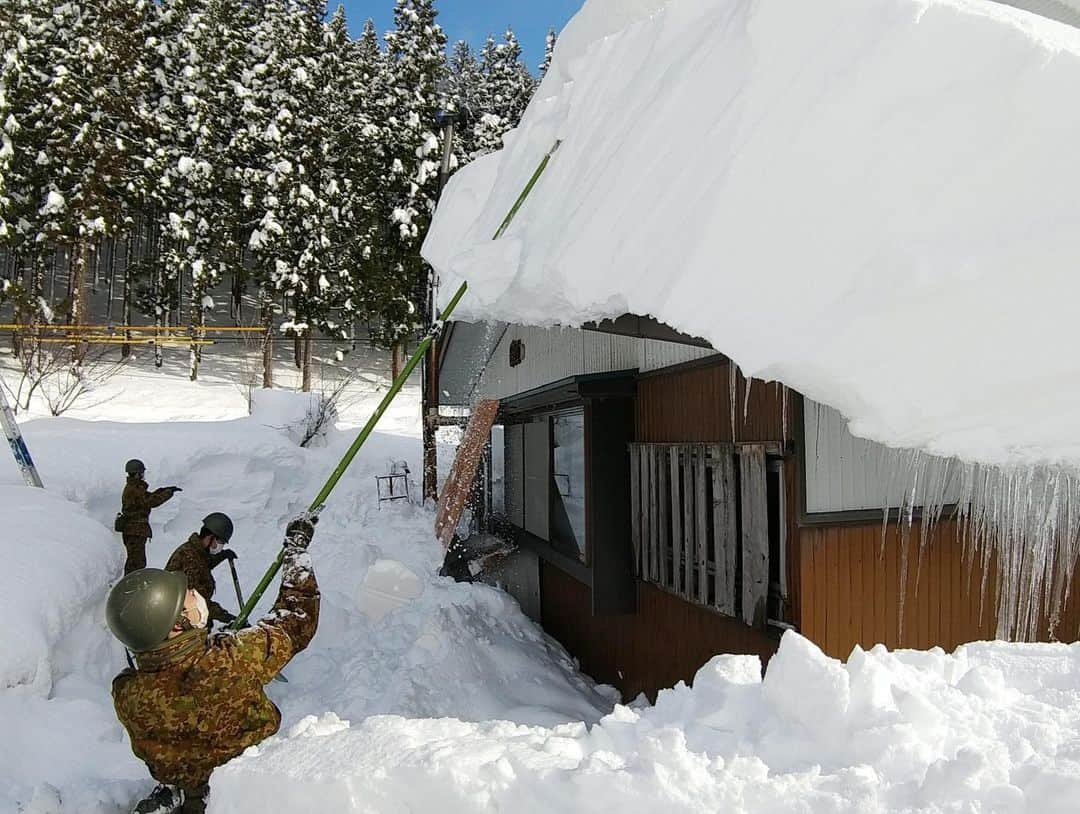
column 567, row 490
column 706, row 522
column 539, row 483
column 497, row 476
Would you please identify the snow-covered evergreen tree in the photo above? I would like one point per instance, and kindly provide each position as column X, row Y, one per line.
column 75, row 81
column 416, row 60
column 549, row 52
column 505, row 90
column 463, row 95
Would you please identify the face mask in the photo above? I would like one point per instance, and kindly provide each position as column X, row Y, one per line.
column 201, row 609
column 216, row 548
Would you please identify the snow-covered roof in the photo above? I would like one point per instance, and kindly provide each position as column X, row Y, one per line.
column 1065, row 11
column 873, row 201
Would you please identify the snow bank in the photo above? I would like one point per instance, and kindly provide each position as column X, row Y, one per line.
column 993, row 727
column 872, row 201
column 57, row 560
column 393, row 636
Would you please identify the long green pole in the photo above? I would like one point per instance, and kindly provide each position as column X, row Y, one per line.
column 339, row 470
column 418, row 354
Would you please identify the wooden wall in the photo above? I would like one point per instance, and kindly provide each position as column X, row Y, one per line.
column 666, row 641
column 850, row 588
column 693, row 404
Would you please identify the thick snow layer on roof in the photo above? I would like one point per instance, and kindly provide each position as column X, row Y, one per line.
column 991, row 728
column 873, row 201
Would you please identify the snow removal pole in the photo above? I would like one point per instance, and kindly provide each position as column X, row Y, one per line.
column 320, row 499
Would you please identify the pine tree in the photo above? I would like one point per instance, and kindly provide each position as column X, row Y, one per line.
column 505, row 90
column 416, row 60
column 360, row 144
column 549, row 52
column 76, row 81
column 27, row 41
column 190, row 169
column 463, row 96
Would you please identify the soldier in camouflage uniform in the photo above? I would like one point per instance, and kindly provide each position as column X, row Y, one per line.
column 201, row 553
column 135, row 504
column 194, row 701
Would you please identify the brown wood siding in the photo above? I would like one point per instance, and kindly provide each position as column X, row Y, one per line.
column 666, row 641
column 850, row 588
column 694, row 405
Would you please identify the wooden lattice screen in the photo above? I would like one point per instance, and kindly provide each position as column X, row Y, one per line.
column 699, row 524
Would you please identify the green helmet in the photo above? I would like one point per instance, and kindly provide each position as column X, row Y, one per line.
column 143, row 607
column 219, row 525
column 134, row 467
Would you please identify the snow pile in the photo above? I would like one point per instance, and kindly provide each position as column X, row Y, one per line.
column 393, row 637
column 994, row 727
column 892, row 181
column 56, row 659
column 57, row 560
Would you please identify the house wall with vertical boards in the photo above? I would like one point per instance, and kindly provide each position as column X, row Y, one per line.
column 848, row 580
column 854, row 580
column 862, row 582
column 669, row 638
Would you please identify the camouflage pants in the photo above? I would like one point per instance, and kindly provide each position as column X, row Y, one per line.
column 136, row 552
column 194, row 800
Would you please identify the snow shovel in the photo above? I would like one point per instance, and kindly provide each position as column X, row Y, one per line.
column 240, row 604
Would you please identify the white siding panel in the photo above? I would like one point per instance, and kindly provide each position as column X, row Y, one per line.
column 845, row 473
column 656, row 355
column 551, row 354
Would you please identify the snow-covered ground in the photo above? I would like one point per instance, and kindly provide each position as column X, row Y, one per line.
column 422, row 694
column 394, row 638
column 872, row 201
column 992, row 728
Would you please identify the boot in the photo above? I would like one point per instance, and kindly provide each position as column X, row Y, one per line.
column 162, row 800
column 194, row 800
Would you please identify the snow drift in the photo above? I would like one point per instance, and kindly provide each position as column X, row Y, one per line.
column 991, row 728
column 873, row 201
column 394, row 638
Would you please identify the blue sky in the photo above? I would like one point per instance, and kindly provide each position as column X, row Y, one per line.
column 473, row 20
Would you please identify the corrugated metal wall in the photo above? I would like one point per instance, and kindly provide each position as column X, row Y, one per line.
column 845, row 473
column 551, row 354
column 851, row 586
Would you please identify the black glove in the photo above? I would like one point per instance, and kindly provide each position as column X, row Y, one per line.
column 174, row 489
column 226, row 617
column 300, row 531
column 227, row 554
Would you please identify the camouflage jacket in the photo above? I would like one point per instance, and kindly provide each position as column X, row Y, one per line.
column 195, row 560
column 136, row 503
column 197, row 701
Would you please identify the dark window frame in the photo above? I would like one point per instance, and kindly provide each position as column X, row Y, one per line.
column 607, row 398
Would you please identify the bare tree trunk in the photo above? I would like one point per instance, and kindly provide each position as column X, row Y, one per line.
column 397, row 360
column 161, row 296
column 78, row 269
column 268, row 340
column 237, row 296
column 159, row 309
column 129, row 270
column 298, row 351
column 306, row 351
column 198, row 331
column 112, row 279
column 95, row 264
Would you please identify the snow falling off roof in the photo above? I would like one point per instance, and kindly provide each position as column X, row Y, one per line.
column 873, row 201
